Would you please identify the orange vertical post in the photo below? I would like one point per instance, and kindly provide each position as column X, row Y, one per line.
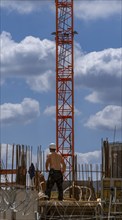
column 65, row 83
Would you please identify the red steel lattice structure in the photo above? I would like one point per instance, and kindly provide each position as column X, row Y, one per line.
column 65, row 83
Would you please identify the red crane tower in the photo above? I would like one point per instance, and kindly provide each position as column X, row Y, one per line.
column 65, row 83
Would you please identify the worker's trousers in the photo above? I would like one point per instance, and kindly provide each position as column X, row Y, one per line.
column 55, row 176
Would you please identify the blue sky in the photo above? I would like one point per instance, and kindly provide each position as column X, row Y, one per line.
column 27, row 111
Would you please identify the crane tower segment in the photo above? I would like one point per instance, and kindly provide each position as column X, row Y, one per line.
column 65, row 82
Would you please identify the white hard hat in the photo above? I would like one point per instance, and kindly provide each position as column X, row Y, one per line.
column 52, row 146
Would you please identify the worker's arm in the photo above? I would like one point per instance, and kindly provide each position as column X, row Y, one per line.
column 63, row 166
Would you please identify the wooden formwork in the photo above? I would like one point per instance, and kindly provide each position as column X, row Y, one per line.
column 111, row 183
column 112, row 159
column 112, row 186
column 111, row 196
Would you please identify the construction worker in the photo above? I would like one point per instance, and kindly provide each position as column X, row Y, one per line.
column 32, row 175
column 56, row 166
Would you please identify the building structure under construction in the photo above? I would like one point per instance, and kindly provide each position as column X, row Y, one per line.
column 97, row 193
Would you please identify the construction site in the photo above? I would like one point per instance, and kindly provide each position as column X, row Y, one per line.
column 95, row 192
column 89, row 191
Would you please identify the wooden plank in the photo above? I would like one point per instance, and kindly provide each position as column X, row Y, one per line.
column 8, row 171
column 12, row 162
column 17, row 157
column 14, row 184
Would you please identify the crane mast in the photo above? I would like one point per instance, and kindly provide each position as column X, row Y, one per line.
column 65, row 83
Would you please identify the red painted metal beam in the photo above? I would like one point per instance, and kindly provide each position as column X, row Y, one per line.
column 65, row 83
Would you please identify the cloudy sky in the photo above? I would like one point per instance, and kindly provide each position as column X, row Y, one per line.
column 27, row 76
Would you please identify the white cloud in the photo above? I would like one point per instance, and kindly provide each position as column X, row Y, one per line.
column 85, row 10
column 3, row 154
column 41, row 83
column 89, row 157
column 50, row 110
column 24, row 6
column 25, row 112
column 31, row 59
column 95, row 9
column 108, row 118
column 100, row 72
column 93, row 97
